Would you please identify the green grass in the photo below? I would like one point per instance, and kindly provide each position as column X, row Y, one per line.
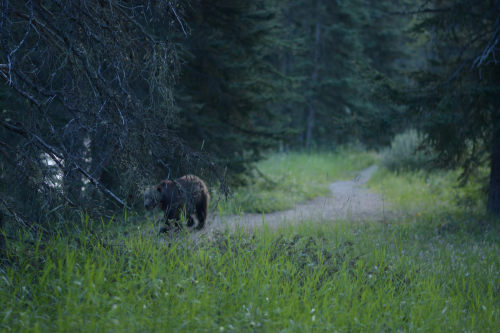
column 430, row 193
column 294, row 177
column 315, row 277
column 434, row 271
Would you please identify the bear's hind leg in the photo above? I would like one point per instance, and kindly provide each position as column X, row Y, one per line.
column 190, row 221
column 166, row 228
column 201, row 213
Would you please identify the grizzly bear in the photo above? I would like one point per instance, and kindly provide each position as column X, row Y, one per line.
column 187, row 193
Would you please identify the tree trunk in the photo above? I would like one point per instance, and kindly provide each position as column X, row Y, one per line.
column 2, row 237
column 287, row 65
column 494, row 195
column 314, row 77
column 73, row 138
column 310, row 124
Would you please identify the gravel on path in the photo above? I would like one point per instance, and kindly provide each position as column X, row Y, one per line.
column 349, row 200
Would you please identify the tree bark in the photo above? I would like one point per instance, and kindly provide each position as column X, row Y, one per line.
column 494, row 194
column 310, row 124
column 314, row 77
column 287, row 63
column 2, row 237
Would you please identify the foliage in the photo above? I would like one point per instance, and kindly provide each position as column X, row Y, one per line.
column 285, row 179
column 102, row 99
column 228, row 88
column 456, row 103
column 323, row 29
column 433, row 194
column 322, row 277
column 87, row 105
column 407, row 152
column 461, row 108
column 338, row 43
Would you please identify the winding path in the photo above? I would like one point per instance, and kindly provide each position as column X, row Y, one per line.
column 350, row 200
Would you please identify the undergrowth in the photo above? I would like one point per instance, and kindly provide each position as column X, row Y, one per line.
column 285, row 179
column 431, row 193
column 436, row 270
column 408, row 153
column 325, row 277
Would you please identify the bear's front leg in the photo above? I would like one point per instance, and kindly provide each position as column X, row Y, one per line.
column 175, row 216
column 166, row 228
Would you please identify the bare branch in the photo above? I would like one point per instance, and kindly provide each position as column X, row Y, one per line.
column 99, row 84
column 421, row 11
column 19, row 218
column 57, row 156
column 177, row 17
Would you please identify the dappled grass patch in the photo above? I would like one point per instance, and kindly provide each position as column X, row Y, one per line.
column 289, row 178
column 347, row 277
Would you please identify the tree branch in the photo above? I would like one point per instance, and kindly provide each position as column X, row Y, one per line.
column 19, row 218
column 52, row 151
column 421, row 11
column 177, row 17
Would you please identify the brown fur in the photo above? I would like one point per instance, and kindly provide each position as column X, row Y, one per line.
column 189, row 192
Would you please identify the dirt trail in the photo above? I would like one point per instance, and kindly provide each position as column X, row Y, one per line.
column 350, row 200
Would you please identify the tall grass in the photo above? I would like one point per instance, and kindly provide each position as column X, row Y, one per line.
column 324, row 277
column 287, row 179
column 425, row 273
column 431, row 193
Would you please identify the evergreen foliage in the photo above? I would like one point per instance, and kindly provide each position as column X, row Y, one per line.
column 86, row 104
column 229, row 88
column 100, row 100
column 352, row 47
column 458, row 103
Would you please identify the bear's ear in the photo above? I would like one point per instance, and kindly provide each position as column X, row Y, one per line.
column 160, row 186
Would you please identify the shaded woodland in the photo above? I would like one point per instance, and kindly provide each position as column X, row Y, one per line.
column 100, row 98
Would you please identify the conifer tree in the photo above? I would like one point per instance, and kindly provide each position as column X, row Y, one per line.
column 229, row 89
column 459, row 103
column 328, row 66
column 85, row 97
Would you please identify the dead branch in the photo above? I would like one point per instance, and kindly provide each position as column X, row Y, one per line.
column 52, row 151
column 19, row 218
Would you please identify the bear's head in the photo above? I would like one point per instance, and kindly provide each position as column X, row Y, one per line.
column 152, row 196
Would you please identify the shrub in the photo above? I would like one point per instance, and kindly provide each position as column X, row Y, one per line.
column 407, row 152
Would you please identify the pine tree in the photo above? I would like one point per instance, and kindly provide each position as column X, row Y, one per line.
column 229, row 87
column 335, row 50
column 459, row 102
column 89, row 95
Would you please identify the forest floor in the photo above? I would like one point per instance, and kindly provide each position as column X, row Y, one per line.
column 349, row 200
